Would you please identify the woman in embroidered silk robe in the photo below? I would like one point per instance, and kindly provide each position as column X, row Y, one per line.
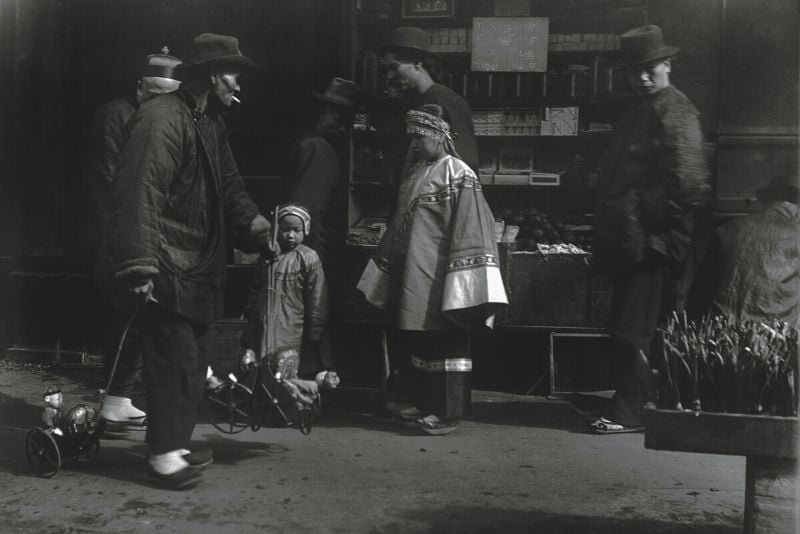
column 436, row 270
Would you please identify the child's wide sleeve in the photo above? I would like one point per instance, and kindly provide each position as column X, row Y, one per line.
column 315, row 294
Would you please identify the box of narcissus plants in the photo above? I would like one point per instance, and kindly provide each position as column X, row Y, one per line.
column 724, row 387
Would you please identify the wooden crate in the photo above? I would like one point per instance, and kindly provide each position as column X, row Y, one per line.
column 580, row 362
column 721, row 433
column 547, row 289
column 769, row 443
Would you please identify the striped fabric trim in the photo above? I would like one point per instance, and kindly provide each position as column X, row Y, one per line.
column 472, row 261
column 449, row 365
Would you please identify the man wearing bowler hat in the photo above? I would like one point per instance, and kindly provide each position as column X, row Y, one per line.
column 176, row 197
column 108, row 132
column 411, row 68
column 317, row 182
column 653, row 181
column 751, row 269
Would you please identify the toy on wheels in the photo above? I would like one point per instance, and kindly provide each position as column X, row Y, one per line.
column 268, row 395
column 74, row 435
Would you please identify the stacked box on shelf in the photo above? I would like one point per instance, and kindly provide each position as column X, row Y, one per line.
column 487, row 164
column 450, row 39
column 560, row 121
column 488, row 122
column 507, row 122
column 576, row 42
column 479, row 120
column 522, row 121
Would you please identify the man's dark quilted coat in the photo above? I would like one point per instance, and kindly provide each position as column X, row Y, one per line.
column 176, row 196
column 654, row 178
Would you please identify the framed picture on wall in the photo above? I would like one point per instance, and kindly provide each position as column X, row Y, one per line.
column 419, row 9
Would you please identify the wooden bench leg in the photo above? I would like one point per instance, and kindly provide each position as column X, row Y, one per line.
column 771, row 496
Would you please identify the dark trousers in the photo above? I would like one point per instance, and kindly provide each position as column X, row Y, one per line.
column 129, row 364
column 439, row 367
column 175, row 355
column 641, row 300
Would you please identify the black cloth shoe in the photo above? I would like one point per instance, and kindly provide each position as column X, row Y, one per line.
column 180, row 480
column 199, row 459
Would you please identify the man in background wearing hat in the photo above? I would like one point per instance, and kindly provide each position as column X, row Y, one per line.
column 108, row 132
column 653, row 181
column 176, row 196
column 317, row 182
column 751, row 269
column 411, row 68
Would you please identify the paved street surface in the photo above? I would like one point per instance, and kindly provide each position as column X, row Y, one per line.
column 519, row 464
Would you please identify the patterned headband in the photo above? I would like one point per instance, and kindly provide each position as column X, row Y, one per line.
column 425, row 124
column 299, row 211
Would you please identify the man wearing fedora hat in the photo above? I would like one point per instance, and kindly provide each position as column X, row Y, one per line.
column 176, row 197
column 315, row 168
column 653, row 181
column 317, row 182
column 107, row 135
column 751, row 269
column 411, row 68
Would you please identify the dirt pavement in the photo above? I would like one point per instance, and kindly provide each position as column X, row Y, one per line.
column 518, row 465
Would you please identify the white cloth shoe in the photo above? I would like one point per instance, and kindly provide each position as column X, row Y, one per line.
column 121, row 410
column 169, row 462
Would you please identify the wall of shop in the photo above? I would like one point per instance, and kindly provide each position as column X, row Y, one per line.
column 60, row 60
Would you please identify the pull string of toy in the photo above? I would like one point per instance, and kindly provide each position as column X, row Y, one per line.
column 121, row 344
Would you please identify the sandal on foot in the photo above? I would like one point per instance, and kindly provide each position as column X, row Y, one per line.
column 607, row 426
column 411, row 414
column 183, row 479
column 433, row 426
column 122, row 428
column 199, row 459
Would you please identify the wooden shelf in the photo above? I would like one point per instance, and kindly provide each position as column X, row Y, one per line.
column 557, row 188
column 721, row 433
column 555, row 53
column 550, row 328
column 519, row 103
column 581, row 134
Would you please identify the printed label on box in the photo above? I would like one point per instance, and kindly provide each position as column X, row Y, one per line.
column 560, row 121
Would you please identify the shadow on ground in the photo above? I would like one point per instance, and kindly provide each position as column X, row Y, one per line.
column 523, row 413
column 468, row 520
column 121, row 456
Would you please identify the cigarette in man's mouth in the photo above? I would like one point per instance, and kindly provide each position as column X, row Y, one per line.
column 236, row 99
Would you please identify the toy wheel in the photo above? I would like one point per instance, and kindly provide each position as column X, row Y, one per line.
column 305, row 420
column 228, row 406
column 43, row 454
column 87, row 453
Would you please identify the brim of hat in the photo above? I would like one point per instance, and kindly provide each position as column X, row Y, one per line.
column 772, row 193
column 160, row 85
column 406, row 50
column 342, row 102
column 243, row 63
column 655, row 55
